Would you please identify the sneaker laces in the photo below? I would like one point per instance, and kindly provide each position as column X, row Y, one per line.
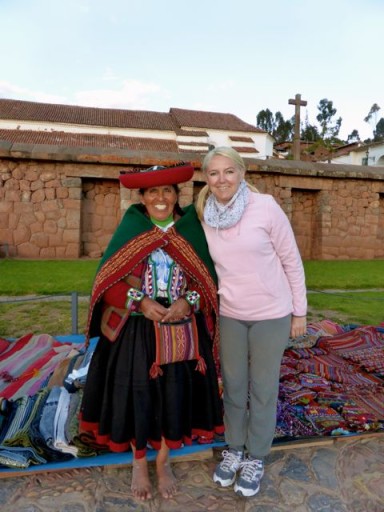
column 250, row 469
column 230, row 461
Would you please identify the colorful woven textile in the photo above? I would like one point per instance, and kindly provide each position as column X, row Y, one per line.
column 359, row 338
column 372, row 402
column 335, row 387
column 340, row 379
column 27, row 363
column 325, row 328
column 305, row 353
column 324, row 419
column 176, row 341
column 306, row 341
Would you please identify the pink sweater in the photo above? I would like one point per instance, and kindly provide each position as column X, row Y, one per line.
column 261, row 275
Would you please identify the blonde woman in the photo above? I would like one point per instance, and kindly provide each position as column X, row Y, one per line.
column 262, row 299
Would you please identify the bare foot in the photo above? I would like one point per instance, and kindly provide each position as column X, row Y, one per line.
column 140, row 485
column 167, row 482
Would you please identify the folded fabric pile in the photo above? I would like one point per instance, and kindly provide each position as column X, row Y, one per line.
column 41, row 381
column 332, row 382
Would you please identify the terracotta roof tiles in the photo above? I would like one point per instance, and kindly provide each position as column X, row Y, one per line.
column 92, row 116
column 175, row 120
column 213, row 120
column 88, row 140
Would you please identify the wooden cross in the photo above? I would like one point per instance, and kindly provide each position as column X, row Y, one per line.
column 298, row 102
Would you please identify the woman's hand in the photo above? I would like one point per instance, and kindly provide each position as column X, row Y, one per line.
column 177, row 310
column 298, row 326
column 152, row 309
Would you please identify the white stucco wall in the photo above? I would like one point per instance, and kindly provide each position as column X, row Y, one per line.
column 262, row 142
column 359, row 157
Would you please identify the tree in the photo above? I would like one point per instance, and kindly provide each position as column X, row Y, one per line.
column 275, row 124
column 310, row 133
column 353, row 136
column 372, row 117
column 379, row 131
column 265, row 120
column 373, row 112
column 284, row 128
column 326, row 113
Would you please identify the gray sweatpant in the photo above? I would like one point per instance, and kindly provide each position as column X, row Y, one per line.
column 250, row 356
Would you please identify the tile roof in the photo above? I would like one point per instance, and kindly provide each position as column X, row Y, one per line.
column 213, row 120
column 175, row 120
column 92, row 116
column 56, row 138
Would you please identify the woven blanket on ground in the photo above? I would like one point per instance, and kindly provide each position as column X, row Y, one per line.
column 26, row 364
column 331, row 388
column 357, row 339
column 334, row 387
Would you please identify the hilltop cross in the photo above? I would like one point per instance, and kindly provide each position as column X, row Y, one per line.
column 298, row 102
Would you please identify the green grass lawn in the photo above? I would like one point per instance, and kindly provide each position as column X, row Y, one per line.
column 345, row 275
column 52, row 277
column 46, row 277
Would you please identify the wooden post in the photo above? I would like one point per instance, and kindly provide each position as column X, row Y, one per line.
column 298, row 102
column 75, row 312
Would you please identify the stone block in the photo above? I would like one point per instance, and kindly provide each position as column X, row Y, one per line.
column 48, row 253
column 39, row 239
column 50, row 226
column 62, row 193
column 71, row 236
column 27, row 250
column 38, row 196
column 75, row 193
column 22, row 234
column 72, row 250
column 56, row 239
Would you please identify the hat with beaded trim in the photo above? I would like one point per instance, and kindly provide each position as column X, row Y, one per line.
column 157, row 176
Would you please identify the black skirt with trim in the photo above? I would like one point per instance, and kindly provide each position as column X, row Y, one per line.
column 122, row 404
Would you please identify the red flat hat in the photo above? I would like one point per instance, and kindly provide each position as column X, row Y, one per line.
column 157, row 176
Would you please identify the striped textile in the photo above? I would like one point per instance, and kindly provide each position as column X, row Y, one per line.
column 357, row 339
column 27, row 363
column 176, row 341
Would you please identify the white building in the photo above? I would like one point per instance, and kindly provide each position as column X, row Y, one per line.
column 176, row 131
column 360, row 154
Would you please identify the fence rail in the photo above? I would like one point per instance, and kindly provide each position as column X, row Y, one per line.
column 73, row 297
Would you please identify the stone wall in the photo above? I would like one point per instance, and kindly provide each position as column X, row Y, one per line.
column 56, row 204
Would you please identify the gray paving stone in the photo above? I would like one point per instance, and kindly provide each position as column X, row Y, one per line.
column 323, row 503
column 323, row 465
column 296, row 469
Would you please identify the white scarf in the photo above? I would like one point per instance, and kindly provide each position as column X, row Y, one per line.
column 223, row 216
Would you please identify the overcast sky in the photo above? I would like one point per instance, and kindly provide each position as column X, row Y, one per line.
column 230, row 56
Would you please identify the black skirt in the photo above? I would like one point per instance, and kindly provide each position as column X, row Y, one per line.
column 123, row 405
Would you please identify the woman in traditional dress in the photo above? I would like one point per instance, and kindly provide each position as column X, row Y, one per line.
column 155, row 283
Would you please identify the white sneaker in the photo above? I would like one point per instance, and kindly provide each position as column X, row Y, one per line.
column 248, row 483
column 225, row 472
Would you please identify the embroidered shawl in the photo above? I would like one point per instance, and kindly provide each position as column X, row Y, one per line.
column 135, row 238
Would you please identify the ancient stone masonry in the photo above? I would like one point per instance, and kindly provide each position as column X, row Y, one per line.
column 39, row 210
column 58, row 205
column 56, row 210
